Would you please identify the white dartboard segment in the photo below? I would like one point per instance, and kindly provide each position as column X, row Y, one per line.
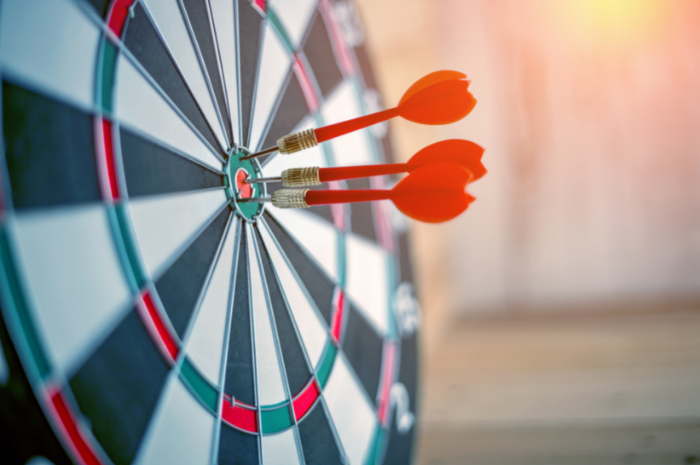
column 223, row 14
column 309, row 157
column 318, row 237
column 78, row 289
column 171, row 24
column 306, row 317
column 181, row 431
column 35, row 48
column 140, row 107
column 280, row 448
column 206, row 342
column 165, row 224
column 275, row 63
column 81, row 280
column 270, row 385
column 367, row 280
column 353, row 416
column 295, row 16
column 342, row 105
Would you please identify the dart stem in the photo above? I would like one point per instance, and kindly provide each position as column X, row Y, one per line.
column 352, row 172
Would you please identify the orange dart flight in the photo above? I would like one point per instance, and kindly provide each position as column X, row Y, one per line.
column 433, row 194
column 441, row 97
column 464, row 153
column 460, row 152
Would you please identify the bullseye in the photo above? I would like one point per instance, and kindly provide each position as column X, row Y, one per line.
column 238, row 172
column 243, row 190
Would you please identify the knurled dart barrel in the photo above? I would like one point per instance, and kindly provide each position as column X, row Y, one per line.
column 297, row 142
column 290, row 198
column 300, row 177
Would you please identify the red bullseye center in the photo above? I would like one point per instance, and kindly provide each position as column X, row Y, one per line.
column 244, row 190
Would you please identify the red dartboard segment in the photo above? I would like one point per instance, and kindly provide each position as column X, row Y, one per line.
column 336, row 35
column 104, row 157
column 237, row 415
column 338, row 306
column 382, row 220
column 305, row 400
column 70, row 429
column 260, row 5
column 156, row 326
column 306, row 87
column 118, row 14
column 337, row 210
column 109, row 159
column 388, row 370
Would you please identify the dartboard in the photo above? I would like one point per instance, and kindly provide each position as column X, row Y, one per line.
column 149, row 313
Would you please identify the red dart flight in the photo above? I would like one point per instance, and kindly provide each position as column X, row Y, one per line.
column 464, row 153
column 441, row 97
column 433, row 194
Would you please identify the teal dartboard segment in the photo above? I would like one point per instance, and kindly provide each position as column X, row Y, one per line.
column 126, row 244
column 108, row 61
column 204, row 391
column 16, row 306
column 275, row 419
column 323, row 371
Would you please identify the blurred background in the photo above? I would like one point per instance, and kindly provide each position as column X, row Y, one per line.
column 561, row 313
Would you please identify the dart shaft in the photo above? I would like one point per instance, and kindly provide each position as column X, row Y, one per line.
column 335, row 130
column 353, row 172
column 345, row 196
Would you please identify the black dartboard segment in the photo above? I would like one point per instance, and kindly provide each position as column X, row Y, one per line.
column 62, row 169
column 142, row 39
column 151, row 169
column 148, row 316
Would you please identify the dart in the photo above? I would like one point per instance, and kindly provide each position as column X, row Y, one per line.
column 433, row 194
column 464, row 153
column 441, row 97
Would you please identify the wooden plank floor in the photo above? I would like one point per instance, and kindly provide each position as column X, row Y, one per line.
column 589, row 389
